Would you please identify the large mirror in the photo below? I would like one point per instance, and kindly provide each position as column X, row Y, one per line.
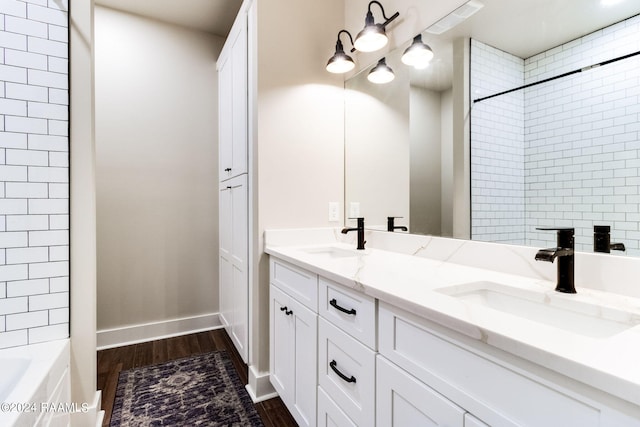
column 400, row 143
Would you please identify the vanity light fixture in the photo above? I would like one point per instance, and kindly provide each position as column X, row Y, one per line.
column 373, row 36
column 418, row 55
column 340, row 62
column 381, row 73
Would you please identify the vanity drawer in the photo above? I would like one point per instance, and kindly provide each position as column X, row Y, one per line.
column 297, row 282
column 351, row 311
column 346, row 372
column 476, row 381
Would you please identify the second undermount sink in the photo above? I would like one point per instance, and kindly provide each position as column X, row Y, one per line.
column 560, row 311
column 331, row 252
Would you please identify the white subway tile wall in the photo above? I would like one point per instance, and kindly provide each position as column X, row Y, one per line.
column 581, row 140
column 497, row 148
column 34, row 171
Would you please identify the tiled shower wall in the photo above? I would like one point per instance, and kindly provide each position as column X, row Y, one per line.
column 34, row 171
column 497, row 150
column 581, row 140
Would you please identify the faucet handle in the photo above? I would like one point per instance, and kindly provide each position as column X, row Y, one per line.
column 556, row 229
column 565, row 235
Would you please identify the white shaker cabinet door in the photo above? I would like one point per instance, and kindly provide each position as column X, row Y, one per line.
column 403, row 401
column 293, row 355
column 234, row 278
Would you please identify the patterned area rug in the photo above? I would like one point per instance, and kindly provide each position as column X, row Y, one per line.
column 201, row 390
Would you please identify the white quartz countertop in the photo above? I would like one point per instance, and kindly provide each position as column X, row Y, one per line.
column 609, row 363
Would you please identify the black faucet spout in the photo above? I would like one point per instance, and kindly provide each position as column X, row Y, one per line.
column 565, row 254
column 360, row 230
column 602, row 240
column 391, row 226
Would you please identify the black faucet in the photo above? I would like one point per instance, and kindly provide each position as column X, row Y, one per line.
column 391, row 225
column 564, row 253
column 602, row 240
column 360, row 230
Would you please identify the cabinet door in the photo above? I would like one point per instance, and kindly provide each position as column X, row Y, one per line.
column 281, row 340
column 225, row 263
column 402, row 400
column 471, row 421
column 233, row 102
column 293, row 355
column 234, row 278
column 329, row 414
column 225, row 113
column 239, row 88
column 239, row 262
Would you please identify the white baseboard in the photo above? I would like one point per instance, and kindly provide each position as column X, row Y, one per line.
column 259, row 386
column 91, row 415
column 133, row 334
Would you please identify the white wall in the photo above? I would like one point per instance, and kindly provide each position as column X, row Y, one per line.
column 377, row 157
column 156, row 133
column 300, row 133
column 34, row 172
column 446, row 164
column 425, row 162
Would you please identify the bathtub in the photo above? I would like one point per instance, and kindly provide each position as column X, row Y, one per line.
column 34, row 385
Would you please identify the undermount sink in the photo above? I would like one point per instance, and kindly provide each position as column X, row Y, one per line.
column 560, row 311
column 331, row 252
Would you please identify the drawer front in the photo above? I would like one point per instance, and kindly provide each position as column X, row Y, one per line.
column 329, row 414
column 351, row 311
column 346, row 372
column 402, row 400
column 483, row 387
column 297, row 282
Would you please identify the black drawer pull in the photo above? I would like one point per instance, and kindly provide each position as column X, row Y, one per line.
column 351, row 379
column 334, row 304
column 286, row 310
column 227, row 169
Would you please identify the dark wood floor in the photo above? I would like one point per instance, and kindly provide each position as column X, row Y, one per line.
column 112, row 361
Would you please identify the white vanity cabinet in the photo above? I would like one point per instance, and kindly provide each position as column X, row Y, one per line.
column 293, row 350
column 495, row 387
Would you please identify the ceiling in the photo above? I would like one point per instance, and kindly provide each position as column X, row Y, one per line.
column 211, row 16
column 527, row 27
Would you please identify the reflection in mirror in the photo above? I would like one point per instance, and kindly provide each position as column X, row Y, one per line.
column 564, row 150
column 398, row 139
column 386, row 176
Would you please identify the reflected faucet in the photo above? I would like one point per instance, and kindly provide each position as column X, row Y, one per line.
column 565, row 254
column 391, row 224
column 602, row 240
column 360, row 230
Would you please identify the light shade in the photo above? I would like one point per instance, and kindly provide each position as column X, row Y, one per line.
column 381, row 73
column 373, row 36
column 418, row 55
column 340, row 62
